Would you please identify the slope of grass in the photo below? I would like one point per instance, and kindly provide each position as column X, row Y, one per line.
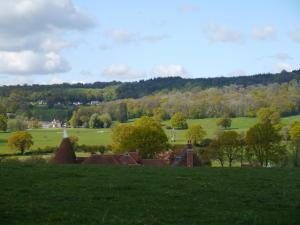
column 52, row 137
column 74, row 194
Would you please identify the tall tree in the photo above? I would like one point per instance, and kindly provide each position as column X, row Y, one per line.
column 263, row 140
column 195, row 134
column 3, row 122
column 295, row 137
column 229, row 143
column 106, row 120
column 145, row 135
column 178, row 121
column 95, row 121
column 123, row 112
column 216, row 152
column 74, row 121
column 268, row 115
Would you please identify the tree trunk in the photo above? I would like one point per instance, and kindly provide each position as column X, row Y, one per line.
column 222, row 163
column 242, row 155
column 296, row 155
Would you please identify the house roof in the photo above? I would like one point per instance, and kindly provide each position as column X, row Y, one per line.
column 126, row 159
column 135, row 156
column 65, row 153
column 153, row 162
column 101, row 159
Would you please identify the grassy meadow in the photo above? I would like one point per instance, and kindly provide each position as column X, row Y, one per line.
column 52, row 137
column 48, row 194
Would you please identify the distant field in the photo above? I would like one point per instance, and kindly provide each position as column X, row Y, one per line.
column 52, row 194
column 52, row 137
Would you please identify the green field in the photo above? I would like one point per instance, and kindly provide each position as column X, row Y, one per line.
column 51, row 194
column 52, row 137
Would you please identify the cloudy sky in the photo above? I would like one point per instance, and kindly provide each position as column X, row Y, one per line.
column 54, row 41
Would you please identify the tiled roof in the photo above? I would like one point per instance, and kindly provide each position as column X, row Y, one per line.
column 101, row 159
column 65, row 154
column 126, row 159
column 153, row 162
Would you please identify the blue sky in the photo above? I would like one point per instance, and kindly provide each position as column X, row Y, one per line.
column 43, row 41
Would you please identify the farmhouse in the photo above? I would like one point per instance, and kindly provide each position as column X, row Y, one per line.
column 66, row 155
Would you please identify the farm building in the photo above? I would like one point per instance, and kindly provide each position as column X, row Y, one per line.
column 66, row 155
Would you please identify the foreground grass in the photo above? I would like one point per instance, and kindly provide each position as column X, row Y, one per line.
column 52, row 137
column 50, row 194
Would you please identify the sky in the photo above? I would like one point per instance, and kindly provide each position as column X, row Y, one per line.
column 55, row 41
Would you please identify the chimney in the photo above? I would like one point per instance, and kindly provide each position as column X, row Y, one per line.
column 189, row 157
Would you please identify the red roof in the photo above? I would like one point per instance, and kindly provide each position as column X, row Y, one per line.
column 153, row 162
column 65, row 154
column 135, row 156
column 101, row 159
column 126, row 159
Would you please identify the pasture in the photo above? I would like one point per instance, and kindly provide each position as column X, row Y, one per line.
column 52, row 137
column 48, row 194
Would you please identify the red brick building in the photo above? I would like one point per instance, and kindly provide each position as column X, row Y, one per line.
column 66, row 155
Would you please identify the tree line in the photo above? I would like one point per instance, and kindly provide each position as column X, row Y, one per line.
column 61, row 99
column 234, row 101
column 267, row 143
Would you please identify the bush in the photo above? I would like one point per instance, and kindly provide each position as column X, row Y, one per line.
column 35, row 160
column 94, row 148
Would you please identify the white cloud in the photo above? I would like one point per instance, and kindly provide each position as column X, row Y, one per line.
column 124, row 36
column 121, row 35
column 295, row 35
column 122, row 72
column 216, row 33
column 189, row 8
column 263, row 33
column 282, row 66
column 169, row 70
column 155, row 38
column 282, row 56
column 31, row 32
column 30, row 63
column 23, row 17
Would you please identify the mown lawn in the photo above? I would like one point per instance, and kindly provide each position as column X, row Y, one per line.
column 52, row 137
column 40, row 194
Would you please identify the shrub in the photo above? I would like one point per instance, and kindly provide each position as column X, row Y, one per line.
column 35, row 159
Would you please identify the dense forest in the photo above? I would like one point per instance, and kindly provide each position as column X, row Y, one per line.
column 196, row 98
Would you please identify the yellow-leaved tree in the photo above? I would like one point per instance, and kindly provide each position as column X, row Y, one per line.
column 21, row 140
column 145, row 135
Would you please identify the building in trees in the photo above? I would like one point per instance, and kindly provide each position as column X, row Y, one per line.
column 66, row 155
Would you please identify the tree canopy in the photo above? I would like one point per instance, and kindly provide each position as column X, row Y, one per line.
column 263, row 142
column 145, row 135
column 195, row 134
column 178, row 121
column 21, row 140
